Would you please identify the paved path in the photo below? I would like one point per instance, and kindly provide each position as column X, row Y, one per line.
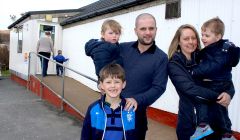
column 23, row 116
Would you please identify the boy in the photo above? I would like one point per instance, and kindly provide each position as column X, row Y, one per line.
column 60, row 59
column 106, row 119
column 214, row 72
column 106, row 50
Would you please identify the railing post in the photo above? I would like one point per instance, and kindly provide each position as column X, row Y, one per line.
column 0, row 69
column 29, row 62
column 63, row 77
column 41, row 85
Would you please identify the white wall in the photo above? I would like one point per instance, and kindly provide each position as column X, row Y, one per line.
column 194, row 12
column 16, row 61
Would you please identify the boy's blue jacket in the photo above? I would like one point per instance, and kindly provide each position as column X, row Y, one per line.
column 102, row 53
column 60, row 58
column 94, row 125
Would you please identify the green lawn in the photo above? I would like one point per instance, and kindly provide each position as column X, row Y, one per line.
column 5, row 73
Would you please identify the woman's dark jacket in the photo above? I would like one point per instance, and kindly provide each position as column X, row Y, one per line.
column 187, row 90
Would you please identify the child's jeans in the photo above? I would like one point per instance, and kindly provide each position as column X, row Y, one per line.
column 59, row 69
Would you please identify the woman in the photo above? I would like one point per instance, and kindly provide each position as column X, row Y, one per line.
column 185, row 42
column 44, row 48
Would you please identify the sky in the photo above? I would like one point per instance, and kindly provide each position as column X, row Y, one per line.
column 16, row 7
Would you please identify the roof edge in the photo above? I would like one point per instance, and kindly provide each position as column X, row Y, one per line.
column 27, row 14
column 103, row 11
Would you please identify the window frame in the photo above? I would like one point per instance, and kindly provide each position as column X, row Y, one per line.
column 173, row 9
column 20, row 39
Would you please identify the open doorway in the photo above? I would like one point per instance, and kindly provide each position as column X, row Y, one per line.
column 44, row 28
column 51, row 65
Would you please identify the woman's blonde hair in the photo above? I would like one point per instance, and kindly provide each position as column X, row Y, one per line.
column 174, row 46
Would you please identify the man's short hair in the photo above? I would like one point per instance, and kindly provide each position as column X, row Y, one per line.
column 144, row 15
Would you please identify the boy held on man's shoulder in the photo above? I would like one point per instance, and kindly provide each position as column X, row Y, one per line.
column 105, row 50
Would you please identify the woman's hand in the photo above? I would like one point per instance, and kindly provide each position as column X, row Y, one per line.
column 224, row 99
column 131, row 103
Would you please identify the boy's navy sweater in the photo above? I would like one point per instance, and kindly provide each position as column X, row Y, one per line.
column 102, row 53
column 96, row 125
column 146, row 76
column 216, row 62
column 60, row 58
column 146, row 73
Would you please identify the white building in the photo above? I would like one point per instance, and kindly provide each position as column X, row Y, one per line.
column 26, row 31
column 77, row 30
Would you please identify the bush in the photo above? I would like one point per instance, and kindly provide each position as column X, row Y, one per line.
column 4, row 57
column 5, row 73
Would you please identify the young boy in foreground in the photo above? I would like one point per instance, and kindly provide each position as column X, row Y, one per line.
column 106, row 118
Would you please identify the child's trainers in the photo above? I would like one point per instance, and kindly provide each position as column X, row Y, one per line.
column 201, row 132
column 230, row 138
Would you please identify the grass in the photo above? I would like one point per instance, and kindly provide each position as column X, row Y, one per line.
column 5, row 73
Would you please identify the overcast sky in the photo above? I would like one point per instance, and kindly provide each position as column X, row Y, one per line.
column 16, row 7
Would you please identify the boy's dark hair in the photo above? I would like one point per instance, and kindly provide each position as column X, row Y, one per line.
column 59, row 51
column 113, row 70
column 113, row 25
column 216, row 25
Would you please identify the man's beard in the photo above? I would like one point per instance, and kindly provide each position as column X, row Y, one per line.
column 141, row 41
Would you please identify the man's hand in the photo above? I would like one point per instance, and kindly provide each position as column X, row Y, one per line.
column 224, row 99
column 131, row 103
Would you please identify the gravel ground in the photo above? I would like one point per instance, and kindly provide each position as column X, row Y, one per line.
column 23, row 116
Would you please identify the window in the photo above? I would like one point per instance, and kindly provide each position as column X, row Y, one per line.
column 20, row 39
column 173, row 9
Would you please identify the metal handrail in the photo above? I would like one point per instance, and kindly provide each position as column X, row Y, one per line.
column 88, row 77
column 63, row 77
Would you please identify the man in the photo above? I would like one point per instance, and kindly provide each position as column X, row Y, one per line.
column 146, row 70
